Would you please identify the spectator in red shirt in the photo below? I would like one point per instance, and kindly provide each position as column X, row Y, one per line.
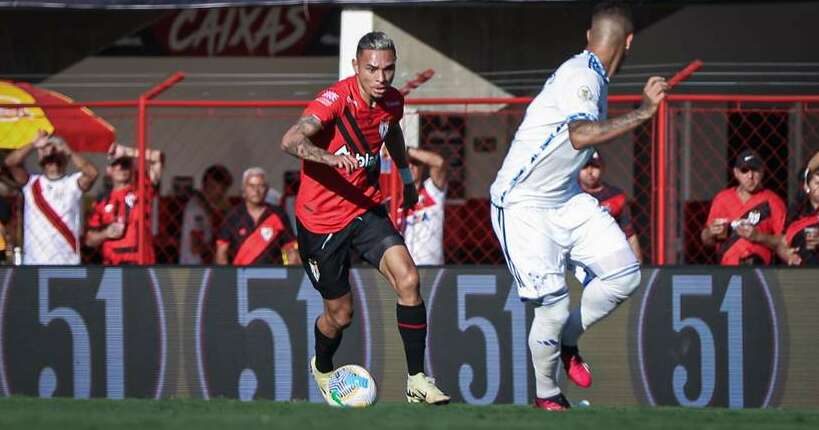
column 745, row 222
column 114, row 220
column 254, row 231
column 611, row 198
column 800, row 245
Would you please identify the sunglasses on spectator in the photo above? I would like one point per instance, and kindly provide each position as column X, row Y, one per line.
column 747, row 169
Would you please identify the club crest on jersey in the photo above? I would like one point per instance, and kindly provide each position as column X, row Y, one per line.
column 584, row 93
column 383, row 129
column 267, row 233
column 130, row 199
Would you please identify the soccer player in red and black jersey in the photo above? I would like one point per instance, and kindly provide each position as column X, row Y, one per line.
column 338, row 207
column 254, row 231
column 611, row 198
column 113, row 222
column 800, row 245
column 745, row 222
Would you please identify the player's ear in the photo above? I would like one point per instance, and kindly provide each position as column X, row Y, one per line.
column 629, row 39
column 588, row 35
column 355, row 66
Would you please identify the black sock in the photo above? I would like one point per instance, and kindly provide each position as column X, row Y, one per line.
column 412, row 324
column 325, row 349
column 571, row 350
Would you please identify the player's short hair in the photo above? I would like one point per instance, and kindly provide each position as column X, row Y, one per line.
column 253, row 171
column 375, row 40
column 616, row 10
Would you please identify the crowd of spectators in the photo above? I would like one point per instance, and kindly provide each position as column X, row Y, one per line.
column 746, row 224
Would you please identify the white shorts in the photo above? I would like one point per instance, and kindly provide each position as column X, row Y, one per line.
column 537, row 243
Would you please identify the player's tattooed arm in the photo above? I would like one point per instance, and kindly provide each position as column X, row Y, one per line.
column 588, row 133
column 297, row 142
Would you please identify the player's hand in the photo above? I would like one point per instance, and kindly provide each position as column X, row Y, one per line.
column 61, row 146
column 115, row 230
column 345, row 161
column 410, row 197
column 654, row 93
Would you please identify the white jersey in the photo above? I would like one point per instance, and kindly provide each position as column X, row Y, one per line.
column 424, row 226
column 541, row 167
column 51, row 219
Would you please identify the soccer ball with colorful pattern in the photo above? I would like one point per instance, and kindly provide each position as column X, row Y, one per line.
column 352, row 386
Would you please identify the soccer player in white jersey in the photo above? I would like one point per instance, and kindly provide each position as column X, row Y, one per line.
column 423, row 224
column 542, row 218
column 52, row 214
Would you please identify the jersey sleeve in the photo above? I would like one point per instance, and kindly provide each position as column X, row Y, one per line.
column 716, row 210
column 74, row 180
column 225, row 235
column 778, row 215
column 326, row 107
column 438, row 194
column 578, row 94
column 95, row 218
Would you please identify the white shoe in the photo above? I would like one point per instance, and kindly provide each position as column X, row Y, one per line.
column 322, row 380
column 422, row 389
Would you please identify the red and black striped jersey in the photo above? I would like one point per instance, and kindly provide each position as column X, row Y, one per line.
column 328, row 198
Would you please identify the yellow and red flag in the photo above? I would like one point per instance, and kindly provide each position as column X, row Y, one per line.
column 79, row 126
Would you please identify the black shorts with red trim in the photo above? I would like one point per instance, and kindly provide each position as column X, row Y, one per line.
column 326, row 257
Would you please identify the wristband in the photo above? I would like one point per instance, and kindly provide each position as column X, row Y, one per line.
column 406, row 176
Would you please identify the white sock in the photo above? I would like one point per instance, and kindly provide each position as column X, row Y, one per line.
column 599, row 299
column 544, row 344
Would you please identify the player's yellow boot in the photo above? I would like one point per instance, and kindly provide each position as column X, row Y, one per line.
column 322, row 380
column 422, row 389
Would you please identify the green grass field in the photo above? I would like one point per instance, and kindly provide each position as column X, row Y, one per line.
column 67, row 414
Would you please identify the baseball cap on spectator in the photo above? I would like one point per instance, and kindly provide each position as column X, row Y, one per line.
column 595, row 160
column 748, row 159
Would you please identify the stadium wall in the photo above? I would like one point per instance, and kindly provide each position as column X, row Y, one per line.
column 696, row 336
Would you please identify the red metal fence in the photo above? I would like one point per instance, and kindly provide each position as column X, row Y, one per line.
column 669, row 168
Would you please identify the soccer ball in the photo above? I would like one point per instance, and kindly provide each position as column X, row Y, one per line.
column 352, row 386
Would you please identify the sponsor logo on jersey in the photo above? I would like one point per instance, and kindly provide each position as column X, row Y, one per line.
column 366, row 161
column 584, row 93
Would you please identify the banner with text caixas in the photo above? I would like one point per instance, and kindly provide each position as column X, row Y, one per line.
column 692, row 336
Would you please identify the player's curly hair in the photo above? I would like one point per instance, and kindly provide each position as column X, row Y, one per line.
column 616, row 10
column 375, row 40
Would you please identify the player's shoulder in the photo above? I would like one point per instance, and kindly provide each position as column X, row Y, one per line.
column 336, row 93
column 725, row 194
column 583, row 66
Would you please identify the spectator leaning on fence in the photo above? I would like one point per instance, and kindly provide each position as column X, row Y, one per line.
column 203, row 215
column 800, row 245
column 423, row 224
column 745, row 222
column 52, row 212
column 254, row 231
column 114, row 221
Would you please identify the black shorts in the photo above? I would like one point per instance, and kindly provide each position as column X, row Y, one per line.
column 326, row 257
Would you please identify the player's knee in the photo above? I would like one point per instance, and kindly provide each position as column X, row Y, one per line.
column 408, row 284
column 625, row 285
column 342, row 318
